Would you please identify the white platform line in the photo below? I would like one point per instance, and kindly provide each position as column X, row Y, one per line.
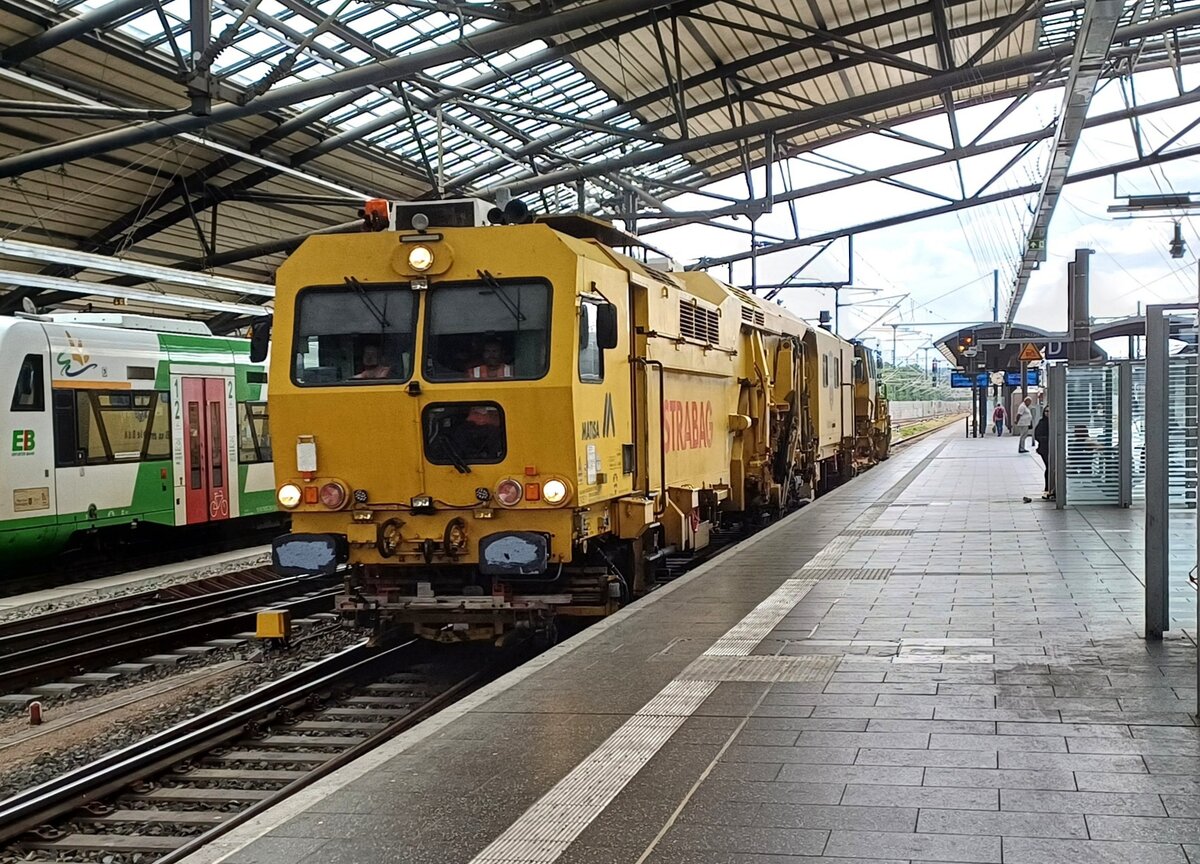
column 543, row 832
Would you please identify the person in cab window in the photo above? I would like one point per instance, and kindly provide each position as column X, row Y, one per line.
column 372, row 363
column 492, row 363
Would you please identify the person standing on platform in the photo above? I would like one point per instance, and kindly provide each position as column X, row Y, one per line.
column 998, row 417
column 1024, row 423
column 1041, row 438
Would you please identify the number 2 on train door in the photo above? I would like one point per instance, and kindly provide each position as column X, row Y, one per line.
column 205, row 458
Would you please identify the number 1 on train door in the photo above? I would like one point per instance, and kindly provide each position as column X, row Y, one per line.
column 204, row 434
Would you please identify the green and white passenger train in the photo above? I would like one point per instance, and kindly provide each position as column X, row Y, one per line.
column 117, row 421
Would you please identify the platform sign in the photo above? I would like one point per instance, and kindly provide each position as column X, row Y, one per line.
column 1033, row 378
column 1030, row 353
column 963, row 380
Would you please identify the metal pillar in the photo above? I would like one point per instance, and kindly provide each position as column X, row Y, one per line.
column 1125, row 433
column 1158, row 598
column 996, row 296
column 1079, row 323
column 1057, row 385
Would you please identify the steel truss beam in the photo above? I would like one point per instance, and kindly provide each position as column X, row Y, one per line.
column 671, row 220
column 72, row 29
column 1083, row 176
column 788, row 125
column 732, row 68
column 483, row 42
column 1092, row 43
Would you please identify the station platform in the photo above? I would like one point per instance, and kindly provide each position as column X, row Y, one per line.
column 918, row 667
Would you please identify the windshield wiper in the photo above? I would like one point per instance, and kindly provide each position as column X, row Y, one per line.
column 460, row 464
column 361, row 292
column 498, row 289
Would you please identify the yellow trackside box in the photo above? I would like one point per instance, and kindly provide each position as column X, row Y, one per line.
column 273, row 624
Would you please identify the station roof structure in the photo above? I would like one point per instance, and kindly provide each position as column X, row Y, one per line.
column 211, row 136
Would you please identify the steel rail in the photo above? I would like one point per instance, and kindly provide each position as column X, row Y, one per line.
column 114, row 771
column 46, row 660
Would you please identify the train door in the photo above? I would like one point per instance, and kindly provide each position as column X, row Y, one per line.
column 205, row 454
column 27, row 483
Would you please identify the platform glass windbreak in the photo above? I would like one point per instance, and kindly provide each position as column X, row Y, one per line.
column 1181, row 432
column 354, row 335
column 492, row 330
column 1092, row 435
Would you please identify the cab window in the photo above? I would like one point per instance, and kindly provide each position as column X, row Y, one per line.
column 464, row 433
column 29, row 393
column 492, row 329
column 254, row 433
column 354, row 335
column 591, row 355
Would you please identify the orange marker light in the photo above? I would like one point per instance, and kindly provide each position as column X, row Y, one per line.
column 533, row 491
column 530, row 470
column 310, row 494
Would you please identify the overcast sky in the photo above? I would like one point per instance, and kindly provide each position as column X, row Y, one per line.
column 945, row 263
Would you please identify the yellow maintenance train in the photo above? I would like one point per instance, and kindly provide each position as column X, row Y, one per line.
column 498, row 425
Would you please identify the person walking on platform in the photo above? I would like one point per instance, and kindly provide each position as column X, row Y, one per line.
column 1024, row 423
column 998, row 419
column 1041, row 438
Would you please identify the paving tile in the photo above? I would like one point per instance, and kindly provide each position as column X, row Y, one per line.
column 1000, row 779
column 812, row 755
column 928, row 758
column 1141, row 746
column 1003, row 823
column 924, row 847
column 1144, row 829
column 1024, row 850
column 1102, row 803
column 921, row 796
column 902, row 740
column 762, row 840
column 775, row 793
column 996, row 743
column 1074, row 762
column 1182, row 805
column 1077, row 730
column 945, row 727
column 1162, row 784
column 879, row 775
column 1172, row 764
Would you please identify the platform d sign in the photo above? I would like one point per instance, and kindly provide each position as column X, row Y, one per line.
column 1030, row 353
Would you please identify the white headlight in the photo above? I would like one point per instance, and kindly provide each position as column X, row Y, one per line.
column 288, row 495
column 420, row 258
column 555, row 491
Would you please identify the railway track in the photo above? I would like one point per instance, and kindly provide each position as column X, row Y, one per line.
column 66, row 642
column 170, row 793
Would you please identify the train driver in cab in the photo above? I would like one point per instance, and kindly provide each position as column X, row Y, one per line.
column 372, row 363
column 492, row 363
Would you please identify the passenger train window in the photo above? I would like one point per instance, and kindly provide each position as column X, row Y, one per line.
column 254, row 433
column 29, row 394
column 824, row 370
column 116, row 426
column 354, row 334
column 490, row 329
column 464, row 434
column 591, row 355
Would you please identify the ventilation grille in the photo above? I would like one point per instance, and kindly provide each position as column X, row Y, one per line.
column 753, row 316
column 696, row 322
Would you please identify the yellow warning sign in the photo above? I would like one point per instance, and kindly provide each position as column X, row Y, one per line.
column 1030, row 353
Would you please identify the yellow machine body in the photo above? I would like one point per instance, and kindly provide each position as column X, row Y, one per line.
column 703, row 404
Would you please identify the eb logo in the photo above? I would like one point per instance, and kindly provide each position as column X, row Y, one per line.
column 22, row 442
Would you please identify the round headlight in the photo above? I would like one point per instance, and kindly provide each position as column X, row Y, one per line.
column 288, row 495
column 555, row 491
column 333, row 495
column 420, row 258
column 509, row 492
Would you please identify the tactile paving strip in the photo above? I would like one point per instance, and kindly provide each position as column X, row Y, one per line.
column 879, row 532
column 849, row 574
column 808, row 667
